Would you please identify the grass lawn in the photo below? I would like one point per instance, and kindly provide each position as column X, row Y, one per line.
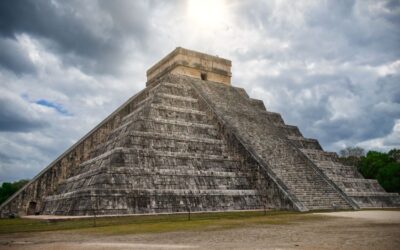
column 155, row 223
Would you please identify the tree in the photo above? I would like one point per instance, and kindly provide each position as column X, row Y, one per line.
column 395, row 154
column 389, row 177
column 382, row 167
column 7, row 189
column 371, row 164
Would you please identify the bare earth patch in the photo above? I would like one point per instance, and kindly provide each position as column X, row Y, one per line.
column 344, row 230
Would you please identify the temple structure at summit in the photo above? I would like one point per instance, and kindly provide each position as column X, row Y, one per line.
column 192, row 141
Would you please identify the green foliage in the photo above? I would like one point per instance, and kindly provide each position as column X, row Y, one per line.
column 395, row 154
column 389, row 177
column 384, row 167
column 7, row 189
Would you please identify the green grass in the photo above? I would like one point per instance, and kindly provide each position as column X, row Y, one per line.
column 155, row 223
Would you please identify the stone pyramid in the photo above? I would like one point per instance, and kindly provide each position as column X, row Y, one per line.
column 191, row 141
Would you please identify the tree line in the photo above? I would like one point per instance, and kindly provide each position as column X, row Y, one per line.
column 9, row 188
column 384, row 167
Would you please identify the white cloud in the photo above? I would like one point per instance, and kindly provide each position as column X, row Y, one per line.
column 385, row 143
column 330, row 67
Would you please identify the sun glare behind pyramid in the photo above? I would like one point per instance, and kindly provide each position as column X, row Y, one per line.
column 207, row 13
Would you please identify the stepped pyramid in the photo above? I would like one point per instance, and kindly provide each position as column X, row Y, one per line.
column 190, row 140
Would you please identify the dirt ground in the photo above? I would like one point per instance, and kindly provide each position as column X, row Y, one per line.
column 340, row 230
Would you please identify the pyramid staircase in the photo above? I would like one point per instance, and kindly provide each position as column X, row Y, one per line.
column 346, row 180
column 366, row 193
column 261, row 132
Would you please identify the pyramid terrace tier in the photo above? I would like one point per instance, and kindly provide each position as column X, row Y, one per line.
column 131, row 201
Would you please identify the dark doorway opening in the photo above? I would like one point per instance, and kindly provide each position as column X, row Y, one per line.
column 203, row 76
column 31, row 208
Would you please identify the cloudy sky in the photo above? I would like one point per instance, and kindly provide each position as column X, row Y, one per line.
column 330, row 67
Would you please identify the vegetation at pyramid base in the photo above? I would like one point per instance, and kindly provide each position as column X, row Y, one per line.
column 7, row 189
column 384, row 167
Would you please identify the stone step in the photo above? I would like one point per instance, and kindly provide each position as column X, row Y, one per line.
column 333, row 206
column 354, row 180
column 161, row 129
column 163, row 170
column 338, row 170
column 137, row 171
column 174, row 137
column 116, row 181
column 186, row 99
column 159, row 91
column 178, row 114
column 323, row 164
column 164, row 121
column 167, row 145
column 319, row 155
column 358, row 194
column 154, row 153
column 143, row 201
column 311, row 200
column 184, row 129
column 172, row 192
column 175, row 101
column 349, row 187
column 167, row 84
column 377, row 200
column 273, row 117
column 305, row 143
column 178, row 110
column 160, row 182
column 357, row 184
column 160, row 125
column 144, row 97
column 289, row 130
column 259, row 104
column 304, row 189
column 184, row 141
column 171, row 88
column 135, row 109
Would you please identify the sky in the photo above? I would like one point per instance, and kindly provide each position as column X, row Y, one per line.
column 330, row 67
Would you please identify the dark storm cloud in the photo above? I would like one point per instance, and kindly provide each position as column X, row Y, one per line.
column 44, row 19
column 365, row 36
column 333, row 30
column 388, row 88
column 91, row 35
column 13, row 58
column 17, row 116
column 374, row 116
column 344, row 41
